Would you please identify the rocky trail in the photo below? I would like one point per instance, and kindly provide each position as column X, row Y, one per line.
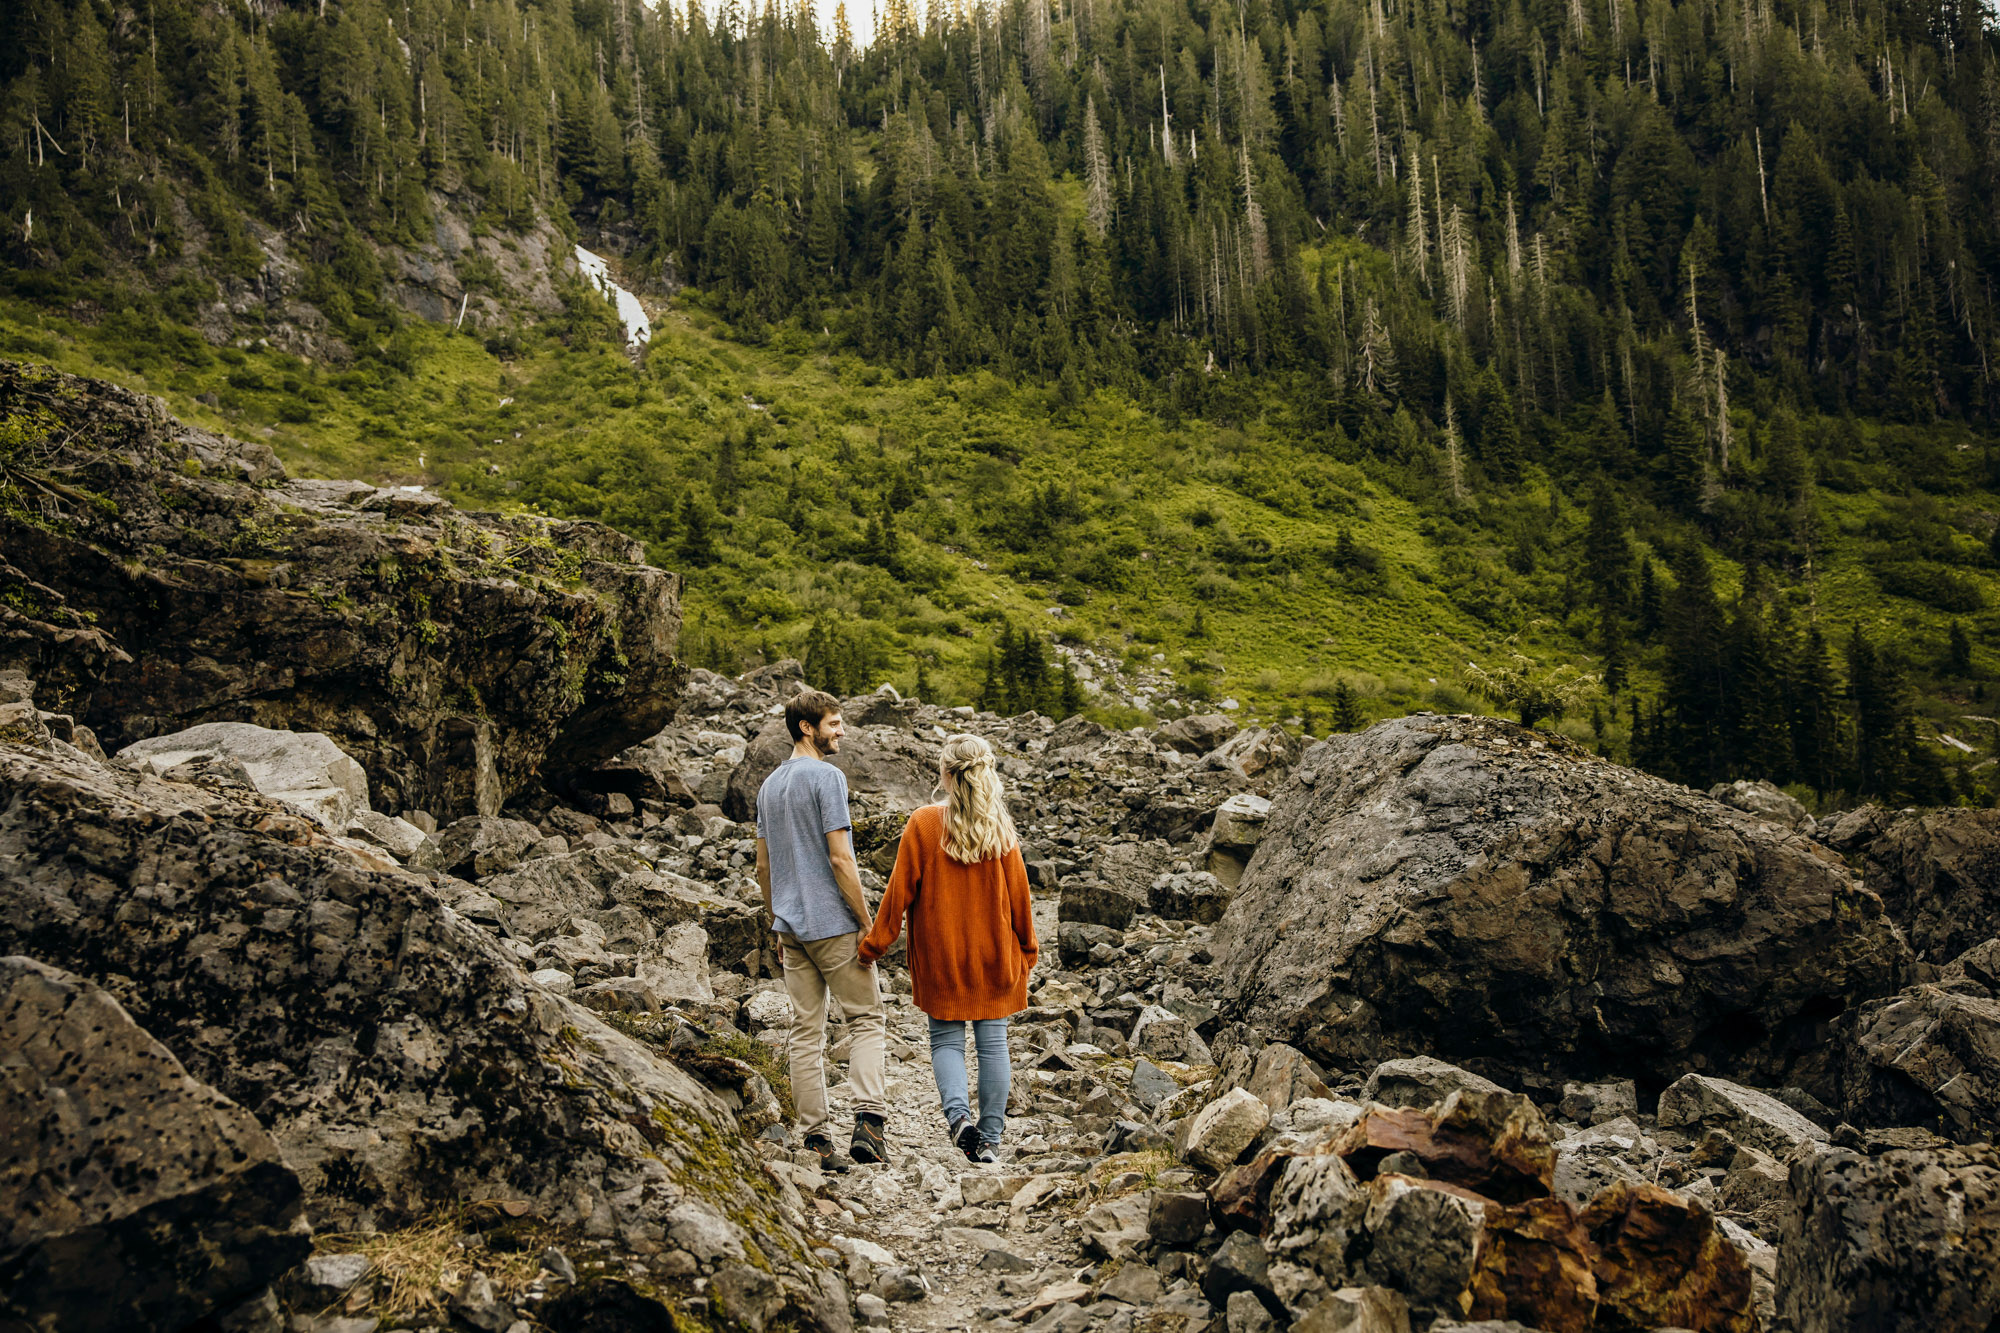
column 379, row 950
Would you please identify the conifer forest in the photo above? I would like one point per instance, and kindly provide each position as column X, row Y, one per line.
column 1626, row 366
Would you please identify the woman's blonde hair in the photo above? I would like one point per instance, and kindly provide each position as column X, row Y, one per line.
column 977, row 826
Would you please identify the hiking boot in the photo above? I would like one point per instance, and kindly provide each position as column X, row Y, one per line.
column 965, row 1135
column 984, row 1154
column 831, row 1158
column 869, row 1145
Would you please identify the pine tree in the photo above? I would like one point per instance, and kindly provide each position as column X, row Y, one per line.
column 1696, row 698
column 1346, row 707
column 1815, row 722
column 1069, row 698
column 697, row 529
column 1958, row 650
column 1607, row 554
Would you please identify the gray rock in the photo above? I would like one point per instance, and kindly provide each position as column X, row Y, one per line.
column 998, row 1260
column 1697, row 1102
column 1421, row 1081
column 553, row 980
column 702, row 1230
column 1093, row 902
column 1224, row 1128
column 1930, row 1057
column 1245, row 1313
column 1239, row 1265
column 1595, row 1103
column 479, row 846
column 557, row 1265
column 1359, row 1310
column 1175, row 1221
column 396, row 836
column 1188, row 896
column 1938, row 874
column 1134, row 1283
column 1163, row 1035
column 1490, row 892
column 620, row 995
column 1589, row 1162
column 872, row 1308
column 747, row 1296
column 328, row 1277
column 1150, row 1084
column 1252, row 754
column 137, row 1196
column 304, row 769
column 1423, row 1242
column 1195, row 735
column 1764, row 800
column 1317, row 1210
column 1905, row 1240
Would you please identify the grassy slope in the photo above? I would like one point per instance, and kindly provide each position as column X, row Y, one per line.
column 818, row 437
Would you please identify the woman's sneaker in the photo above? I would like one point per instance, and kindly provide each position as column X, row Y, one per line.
column 965, row 1134
column 985, row 1153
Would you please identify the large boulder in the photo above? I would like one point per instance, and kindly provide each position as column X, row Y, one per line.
column 137, row 1197
column 304, row 769
column 1938, row 874
column 457, row 657
column 400, row 1056
column 1885, row 1239
column 1501, row 898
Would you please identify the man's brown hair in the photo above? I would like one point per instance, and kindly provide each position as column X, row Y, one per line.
column 808, row 708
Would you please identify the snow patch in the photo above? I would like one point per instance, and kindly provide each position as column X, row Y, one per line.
column 638, row 329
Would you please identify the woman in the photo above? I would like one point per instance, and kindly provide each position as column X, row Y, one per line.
column 960, row 877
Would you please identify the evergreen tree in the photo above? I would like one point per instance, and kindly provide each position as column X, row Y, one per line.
column 1958, row 650
column 1817, row 751
column 1069, row 697
column 697, row 529
column 1696, row 699
column 1347, row 714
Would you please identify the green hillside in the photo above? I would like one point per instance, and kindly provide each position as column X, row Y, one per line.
column 1303, row 352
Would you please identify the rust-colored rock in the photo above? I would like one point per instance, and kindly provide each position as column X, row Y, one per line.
column 1663, row 1262
column 1536, row 1265
column 1241, row 1199
column 1493, row 1143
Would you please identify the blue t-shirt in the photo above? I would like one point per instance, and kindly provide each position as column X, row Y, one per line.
column 799, row 804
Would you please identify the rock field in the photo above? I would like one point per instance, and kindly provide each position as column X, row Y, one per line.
column 320, row 1015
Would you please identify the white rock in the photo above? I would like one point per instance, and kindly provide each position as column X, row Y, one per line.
column 394, row 835
column 304, row 769
column 769, row 1009
column 554, row 979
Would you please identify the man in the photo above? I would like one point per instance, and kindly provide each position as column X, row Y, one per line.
column 812, row 890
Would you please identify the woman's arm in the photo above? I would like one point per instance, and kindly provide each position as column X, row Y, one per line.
column 904, row 881
column 1020, row 907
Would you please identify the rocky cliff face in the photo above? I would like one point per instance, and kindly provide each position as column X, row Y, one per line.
column 1461, row 887
column 155, row 576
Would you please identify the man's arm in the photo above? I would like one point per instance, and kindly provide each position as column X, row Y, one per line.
column 840, row 850
column 764, row 882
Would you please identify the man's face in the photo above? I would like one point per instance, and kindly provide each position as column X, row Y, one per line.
column 826, row 736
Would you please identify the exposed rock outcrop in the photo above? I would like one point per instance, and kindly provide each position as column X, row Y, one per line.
column 137, row 1197
column 399, row 1055
column 1464, row 888
column 170, row 576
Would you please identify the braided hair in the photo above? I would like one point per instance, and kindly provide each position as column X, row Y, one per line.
column 977, row 826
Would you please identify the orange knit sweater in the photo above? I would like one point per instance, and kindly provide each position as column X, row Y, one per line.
column 972, row 931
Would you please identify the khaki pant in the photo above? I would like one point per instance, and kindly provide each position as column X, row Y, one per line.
column 815, row 970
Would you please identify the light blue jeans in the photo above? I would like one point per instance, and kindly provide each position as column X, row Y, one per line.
column 996, row 1075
